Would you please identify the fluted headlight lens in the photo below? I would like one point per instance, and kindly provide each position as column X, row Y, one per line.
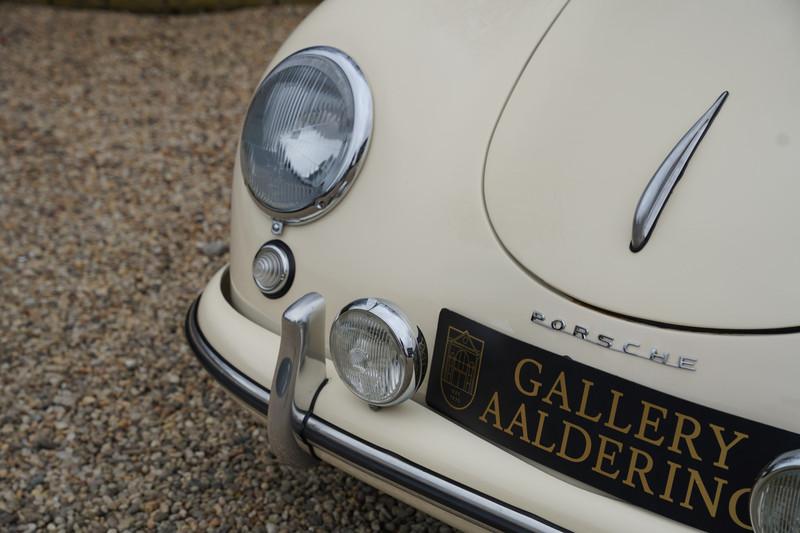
column 306, row 129
column 377, row 353
column 775, row 501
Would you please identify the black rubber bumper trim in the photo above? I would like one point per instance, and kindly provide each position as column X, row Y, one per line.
column 244, row 388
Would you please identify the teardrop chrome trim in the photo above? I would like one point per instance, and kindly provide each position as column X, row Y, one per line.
column 657, row 192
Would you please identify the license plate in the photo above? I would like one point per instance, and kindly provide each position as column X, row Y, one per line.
column 679, row 459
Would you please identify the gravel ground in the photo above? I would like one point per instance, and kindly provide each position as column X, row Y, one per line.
column 117, row 135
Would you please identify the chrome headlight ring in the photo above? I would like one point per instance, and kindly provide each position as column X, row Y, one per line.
column 761, row 508
column 325, row 179
column 409, row 342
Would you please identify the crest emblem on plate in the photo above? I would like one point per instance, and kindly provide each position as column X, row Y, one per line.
column 460, row 368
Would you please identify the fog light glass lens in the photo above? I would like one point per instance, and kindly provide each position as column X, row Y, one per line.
column 775, row 502
column 377, row 353
column 273, row 269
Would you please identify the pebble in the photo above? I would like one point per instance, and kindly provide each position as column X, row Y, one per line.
column 119, row 134
column 214, row 248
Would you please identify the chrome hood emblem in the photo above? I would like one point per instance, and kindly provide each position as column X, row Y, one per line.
column 662, row 183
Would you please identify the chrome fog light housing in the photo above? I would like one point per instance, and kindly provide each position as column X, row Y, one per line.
column 775, row 502
column 273, row 269
column 306, row 133
column 377, row 352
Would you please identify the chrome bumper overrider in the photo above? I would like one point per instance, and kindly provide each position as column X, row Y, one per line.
column 295, row 432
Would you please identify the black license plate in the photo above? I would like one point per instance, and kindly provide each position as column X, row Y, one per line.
column 679, row 459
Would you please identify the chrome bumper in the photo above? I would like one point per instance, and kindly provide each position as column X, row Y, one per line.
column 295, row 432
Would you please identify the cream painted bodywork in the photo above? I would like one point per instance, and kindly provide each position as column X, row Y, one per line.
column 413, row 431
column 604, row 99
column 414, row 230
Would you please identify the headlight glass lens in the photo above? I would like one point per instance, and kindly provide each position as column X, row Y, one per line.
column 367, row 356
column 298, row 138
column 775, row 504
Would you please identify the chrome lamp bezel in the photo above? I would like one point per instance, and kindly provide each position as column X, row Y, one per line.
column 286, row 258
column 356, row 150
column 780, row 465
column 408, row 336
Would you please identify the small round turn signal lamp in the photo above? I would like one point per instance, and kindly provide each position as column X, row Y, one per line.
column 273, row 269
column 379, row 355
column 775, row 502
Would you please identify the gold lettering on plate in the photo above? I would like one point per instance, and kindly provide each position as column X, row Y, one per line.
column 648, row 422
column 534, row 385
column 494, row 409
column 733, row 506
column 724, row 447
column 641, row 471
column 590, row 439
column 603, row 455
column 584, row 400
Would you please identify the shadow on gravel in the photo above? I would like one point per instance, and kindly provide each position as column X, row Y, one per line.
column 117, row 135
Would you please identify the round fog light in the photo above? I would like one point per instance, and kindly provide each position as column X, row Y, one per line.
column 775, row 502
column 379, row 355
column 273, row 269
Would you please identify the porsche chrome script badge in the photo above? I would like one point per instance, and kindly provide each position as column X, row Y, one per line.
column 632, row 348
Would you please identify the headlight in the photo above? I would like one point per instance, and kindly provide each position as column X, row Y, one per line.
column 379, row 355
column 775, row 502
column 306, row 131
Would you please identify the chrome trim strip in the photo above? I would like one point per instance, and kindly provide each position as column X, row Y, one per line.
column 658, row 190
column 437, row 490
column 445, row 493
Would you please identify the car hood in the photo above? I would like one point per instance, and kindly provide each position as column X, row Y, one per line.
column 604, row 99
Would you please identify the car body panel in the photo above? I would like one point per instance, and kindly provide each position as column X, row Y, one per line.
column 439, row 80
column 607, row 95
column 437, row 444
column 414, row 229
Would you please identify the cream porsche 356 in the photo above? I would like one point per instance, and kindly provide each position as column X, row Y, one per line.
column 526, row 265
